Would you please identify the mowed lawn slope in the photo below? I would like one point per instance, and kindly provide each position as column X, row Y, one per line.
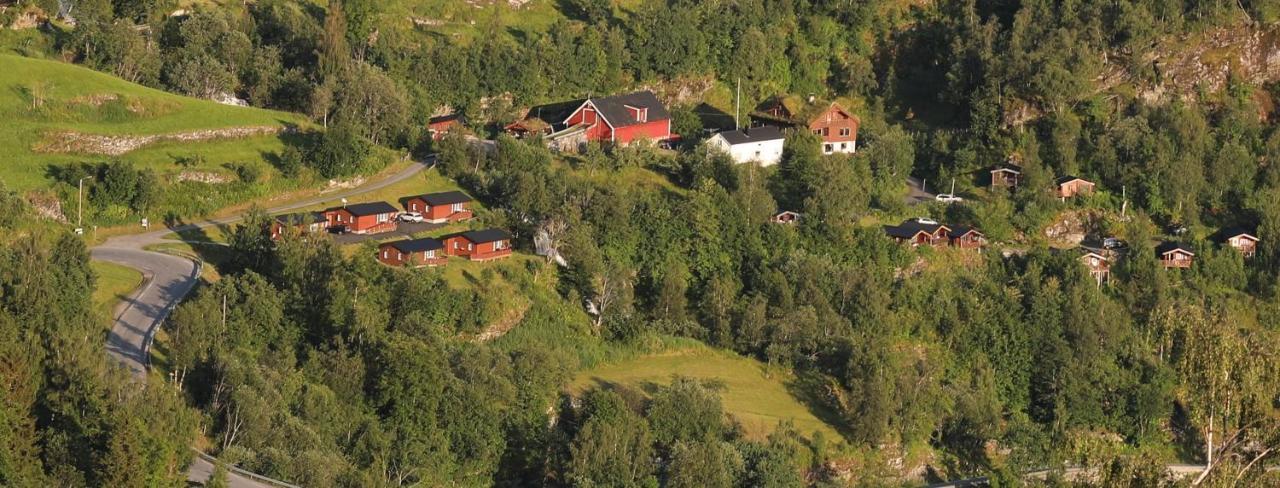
column 40, row 97
column 756, row 397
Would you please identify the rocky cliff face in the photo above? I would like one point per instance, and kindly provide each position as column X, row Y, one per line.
column 1205, row 60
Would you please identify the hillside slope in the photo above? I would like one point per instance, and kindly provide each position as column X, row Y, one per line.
column 57, row 113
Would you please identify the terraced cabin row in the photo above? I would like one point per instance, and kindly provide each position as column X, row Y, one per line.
column 475, row 245
column 378, row 217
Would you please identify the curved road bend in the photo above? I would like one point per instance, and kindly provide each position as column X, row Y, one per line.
column 168, row 278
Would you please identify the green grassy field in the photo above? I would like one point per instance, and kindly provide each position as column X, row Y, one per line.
column 753, row 394
column 115, row 283
column 40, row 97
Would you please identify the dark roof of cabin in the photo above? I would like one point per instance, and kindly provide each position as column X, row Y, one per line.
column 614, row 108
column 370, row 208
column 1007, row 167
column 486, row 235
column 445, row 118
column 910, row 228
column 1230, row 232
column 299, row 218
column 961, row 230
column 752, row 134
column 417, row 245
column 554, row 113
column 444, row 198
column 1168, row 247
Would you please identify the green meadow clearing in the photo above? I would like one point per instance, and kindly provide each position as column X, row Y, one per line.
column 39, row 98
column 756, row 396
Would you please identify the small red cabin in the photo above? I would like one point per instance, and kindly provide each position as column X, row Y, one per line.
column 438, row 208
column 1175, row 255
column 621, row 119
column 301, row 223
column 413, row 253
column 362, row 218
column 479, row 245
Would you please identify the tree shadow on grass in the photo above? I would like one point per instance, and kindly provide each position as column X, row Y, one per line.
column 807, row 387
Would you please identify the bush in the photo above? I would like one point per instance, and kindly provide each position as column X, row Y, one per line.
column 247, row 172
column 339, row 152
column 290, row 162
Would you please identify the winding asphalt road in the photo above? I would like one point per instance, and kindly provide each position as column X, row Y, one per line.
column 168, row 278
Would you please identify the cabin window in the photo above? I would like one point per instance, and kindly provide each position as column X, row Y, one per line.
column 385, row 254
column 383, row 218
column 457, row 207
column 499, row 245
column 399, row 255
column 429, row 254
column 471, row 247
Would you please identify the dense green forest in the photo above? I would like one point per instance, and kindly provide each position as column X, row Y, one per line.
column 325, row 368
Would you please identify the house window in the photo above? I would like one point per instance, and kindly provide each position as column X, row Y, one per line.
column 385, row 254
column 826, row 148
column 499, row 245
column 457, row 207
column 429, row 254
column 383, row 218
column 826, row 131
column 471, row 247
column 845, row 131
column 844, row 145
column 817, row 131
column 400, row 256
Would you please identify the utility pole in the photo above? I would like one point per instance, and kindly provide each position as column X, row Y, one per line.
column 80, row 205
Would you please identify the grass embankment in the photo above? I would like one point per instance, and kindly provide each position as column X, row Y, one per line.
column 115, row 283
column 755, row 395
column 40, row 98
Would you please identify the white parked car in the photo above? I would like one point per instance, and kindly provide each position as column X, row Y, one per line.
column 948, row 198
column 411, row 217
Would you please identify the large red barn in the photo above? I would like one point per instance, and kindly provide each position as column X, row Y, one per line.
column 621, row 119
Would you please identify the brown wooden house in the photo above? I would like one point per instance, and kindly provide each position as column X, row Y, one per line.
column 1174, row 255
column 966, row 238
column 918, row 232
column 1098, row 265
column 301, row 223
column 836, row 125
column 1070, row 186
column 1006, row 176
column 785, row 217
column 441, row 125
column 1242, row 241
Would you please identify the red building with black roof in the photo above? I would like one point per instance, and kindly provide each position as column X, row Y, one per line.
column 438, row 208
column 362, row 218
column 620, row 119
column 412, row 252
column 479, row 245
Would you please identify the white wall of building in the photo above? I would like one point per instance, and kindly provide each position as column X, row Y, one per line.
column 764, row 153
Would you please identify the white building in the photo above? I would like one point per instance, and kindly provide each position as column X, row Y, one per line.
column 762, row 145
